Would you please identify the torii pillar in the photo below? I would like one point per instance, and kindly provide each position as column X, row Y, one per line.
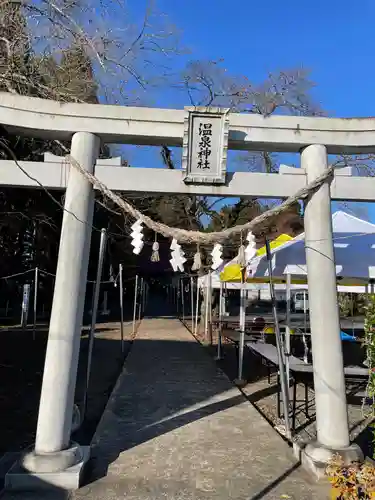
column 329, row 382
column 56, row 460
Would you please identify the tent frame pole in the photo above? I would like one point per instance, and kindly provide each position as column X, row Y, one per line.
column 206, row 305
column 219, row 345
column 240, row 381
column 135, row 303
column 182, row 287
column 279, row 346
column 197, row 308
column 192, row 302
column 287, row 328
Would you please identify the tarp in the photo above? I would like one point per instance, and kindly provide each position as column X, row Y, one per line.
column 354, row 245
column 280, row 240
column 345, row 227
column 232, row 272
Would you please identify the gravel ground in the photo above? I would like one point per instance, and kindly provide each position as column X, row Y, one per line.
column 264, row 397
column 21, row 371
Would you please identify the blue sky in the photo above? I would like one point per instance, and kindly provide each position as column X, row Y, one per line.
column 335, row 39
column 332, row 38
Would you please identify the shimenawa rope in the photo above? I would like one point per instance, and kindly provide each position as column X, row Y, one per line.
column 185, row 236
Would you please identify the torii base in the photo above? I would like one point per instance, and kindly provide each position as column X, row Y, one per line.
column 315, row 458
column 19, row 479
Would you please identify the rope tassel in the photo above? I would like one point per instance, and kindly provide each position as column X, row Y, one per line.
column 155, row 257
column 241, row 257
column 197, row 264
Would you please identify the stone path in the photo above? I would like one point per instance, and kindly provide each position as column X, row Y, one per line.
column 175, row 429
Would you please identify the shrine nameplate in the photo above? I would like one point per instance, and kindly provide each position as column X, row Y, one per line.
column 205, row 145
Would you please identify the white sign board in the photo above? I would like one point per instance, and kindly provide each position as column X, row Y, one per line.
column 25, row 305
column 205, row 145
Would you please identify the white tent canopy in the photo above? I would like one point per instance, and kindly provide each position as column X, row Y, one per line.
column 354, row 242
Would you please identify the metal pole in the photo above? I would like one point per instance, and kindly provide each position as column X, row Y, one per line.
column 192, row 302
column 135, row 302
column 103, row 240
column 197, row 308
column 179, row 299
column 239, row 380
column 177, row 292
column 144, row 293
column 35, row 300
column 206, row 314
column 210, row 310
column 224, row 298
column 182, row 299
column 121, row 291
column 22, row 321
column 305, row 352
column 283, row 378
column 218, row 356
column 287, row 329
column 140, row 310
column 105, row 311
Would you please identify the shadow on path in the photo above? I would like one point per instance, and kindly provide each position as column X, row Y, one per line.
column 176, row 426
column 169, row 385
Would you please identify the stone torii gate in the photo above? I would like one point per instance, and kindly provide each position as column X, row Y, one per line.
column 55, row 459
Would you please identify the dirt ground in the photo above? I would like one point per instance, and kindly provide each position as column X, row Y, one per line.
column 21, row 371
